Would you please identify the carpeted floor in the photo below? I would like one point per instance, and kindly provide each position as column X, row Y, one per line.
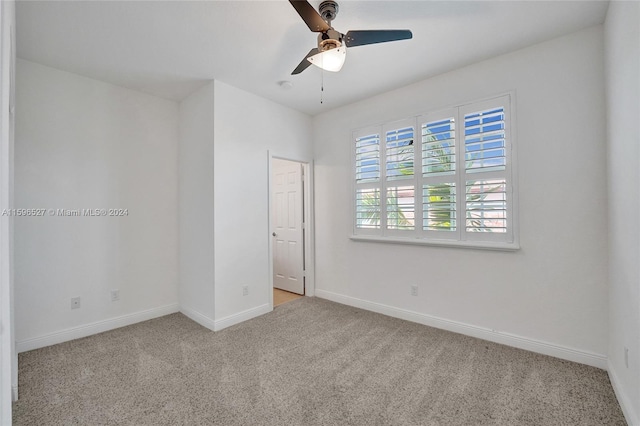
column 309, row 362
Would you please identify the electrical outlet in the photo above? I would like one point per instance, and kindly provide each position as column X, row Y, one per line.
column 245, row 290
column 115, row 295
column 626, row 357
column 75, row 302
column 414, row 290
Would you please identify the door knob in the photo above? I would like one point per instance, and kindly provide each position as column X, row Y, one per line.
column 274, row 234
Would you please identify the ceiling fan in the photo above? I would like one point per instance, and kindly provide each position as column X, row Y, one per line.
column 332, row 45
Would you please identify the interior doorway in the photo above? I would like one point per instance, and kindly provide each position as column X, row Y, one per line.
column 288, row 230
column 280, row 297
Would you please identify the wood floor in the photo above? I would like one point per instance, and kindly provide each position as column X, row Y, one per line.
column 281, row 296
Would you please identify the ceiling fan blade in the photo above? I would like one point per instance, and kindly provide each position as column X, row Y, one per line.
column 305, row 64
column 360, row 38
column 309, row 15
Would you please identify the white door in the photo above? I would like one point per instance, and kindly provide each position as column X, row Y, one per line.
column 287, row 225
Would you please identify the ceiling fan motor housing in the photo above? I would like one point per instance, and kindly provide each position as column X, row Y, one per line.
column 328, row 40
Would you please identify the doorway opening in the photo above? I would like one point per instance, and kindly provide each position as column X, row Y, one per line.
column 280, row 297
column 288, row 222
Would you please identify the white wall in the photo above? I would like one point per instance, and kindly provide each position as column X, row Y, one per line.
column 81, row 143
column 554, row 289
column 622, row 44
column 8, row 355
column 196, row 178
column 246, row 128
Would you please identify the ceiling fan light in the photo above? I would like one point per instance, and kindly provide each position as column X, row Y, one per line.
column 330, row 60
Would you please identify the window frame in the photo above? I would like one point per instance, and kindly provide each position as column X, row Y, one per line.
column 507, row 241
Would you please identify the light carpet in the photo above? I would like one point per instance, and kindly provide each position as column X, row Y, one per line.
column 309, row 362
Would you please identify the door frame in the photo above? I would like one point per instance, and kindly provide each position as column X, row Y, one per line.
column 308, row 231
column 8, row 354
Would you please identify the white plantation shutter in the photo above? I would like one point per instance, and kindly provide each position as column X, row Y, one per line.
column 486, row 206
column 368, row 210
column 444, row 177
column 487, row 171
column 484, row 140
column 438, row 145
column 438, row 180
column 368, row 199
column 399, row 154
column 400, row 208
column 439, row 211
column 368, row 158
column 399, row 182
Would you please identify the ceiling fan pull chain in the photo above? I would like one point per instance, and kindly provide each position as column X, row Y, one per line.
column 321, row 85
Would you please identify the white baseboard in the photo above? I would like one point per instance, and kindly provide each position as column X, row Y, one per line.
column 94, row 328
column 562, row 352
column 113, row 323
column 241, row 316
column 196, row 316
column 625, row 403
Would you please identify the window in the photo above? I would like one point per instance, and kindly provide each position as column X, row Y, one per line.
column 441, row 178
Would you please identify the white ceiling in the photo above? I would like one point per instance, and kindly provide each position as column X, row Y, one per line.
column 170, row 48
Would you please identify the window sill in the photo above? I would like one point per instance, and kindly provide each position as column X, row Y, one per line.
column 482, row 245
